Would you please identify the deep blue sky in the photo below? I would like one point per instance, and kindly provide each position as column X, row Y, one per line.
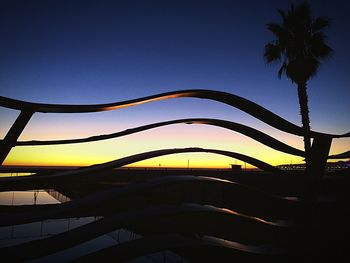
column 104, row 51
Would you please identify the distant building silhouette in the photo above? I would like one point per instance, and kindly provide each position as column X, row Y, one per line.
column 236, row 168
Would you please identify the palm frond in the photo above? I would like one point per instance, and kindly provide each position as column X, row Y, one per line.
column 272, row 52
column 282, row 14
column 303, row 13
column 276, row 29
column 320, row 23
column 299, row 41
column 311, row 67
column 318, row 47
column 282, row 69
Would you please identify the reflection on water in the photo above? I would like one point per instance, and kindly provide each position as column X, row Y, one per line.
column 14, row 174
column 17, row 234
column 58, row 196
column 13, row 235
column 107, row 240
column 32, row 197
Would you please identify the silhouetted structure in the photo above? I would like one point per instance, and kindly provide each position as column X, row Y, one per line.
column 182, row 213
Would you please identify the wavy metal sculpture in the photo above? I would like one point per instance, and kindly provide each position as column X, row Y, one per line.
column 319, row 153
column 238, row 102
column 27, row 109
column 319, row 156
column 85, row 171
column 268, row 204
column 147, row 217
column 233, row 251
column 233, row 126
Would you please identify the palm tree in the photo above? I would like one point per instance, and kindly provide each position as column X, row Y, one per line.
column 299, row 46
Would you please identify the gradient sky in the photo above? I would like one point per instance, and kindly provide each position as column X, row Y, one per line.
column 81, row 52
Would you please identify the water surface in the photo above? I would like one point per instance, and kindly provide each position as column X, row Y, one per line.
column 32, row 197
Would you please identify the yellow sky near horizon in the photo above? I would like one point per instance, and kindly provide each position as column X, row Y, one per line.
column 161, row 138
column 54, row 126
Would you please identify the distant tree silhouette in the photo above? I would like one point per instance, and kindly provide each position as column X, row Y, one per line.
column 299, row 46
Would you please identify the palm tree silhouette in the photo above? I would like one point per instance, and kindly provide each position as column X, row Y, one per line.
column 300, row 46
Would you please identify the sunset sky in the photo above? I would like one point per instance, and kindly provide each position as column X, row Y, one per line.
column 89, row 52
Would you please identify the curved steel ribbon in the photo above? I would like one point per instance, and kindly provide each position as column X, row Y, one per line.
column 76, row 236
column 343, row 155
column 144, row 156
column 232, row 250
column 87, row 205
column 243, row 104
column 243, row 129
column 151, row 154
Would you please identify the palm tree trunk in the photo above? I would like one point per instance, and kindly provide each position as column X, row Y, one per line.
column 305, row 120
